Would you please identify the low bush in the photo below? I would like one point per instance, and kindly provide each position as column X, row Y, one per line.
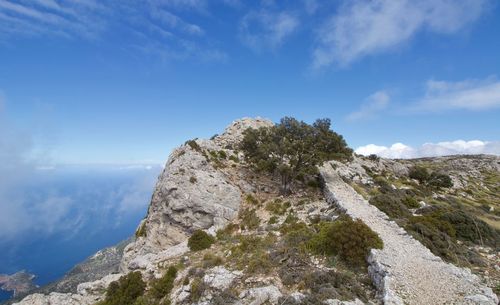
column 250, row 199
column 440, row 180
column 163, row 286
column 249, row 219
column 198, row 287
column 434, row 179
column 277, row 207
column 200, row 240
column 419, row 173
column 227, row 232
column 391, row 205
column 211, row 260
column 193, row 179
column 350, row 239
column 194, row 146
column 141, row 231
column 125, row 291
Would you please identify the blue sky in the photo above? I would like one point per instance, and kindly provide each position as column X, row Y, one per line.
column 111, row 81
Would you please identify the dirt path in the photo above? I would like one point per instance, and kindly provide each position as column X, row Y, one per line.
column 405, row 271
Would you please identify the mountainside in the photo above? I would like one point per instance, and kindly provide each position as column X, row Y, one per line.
column 428, row 228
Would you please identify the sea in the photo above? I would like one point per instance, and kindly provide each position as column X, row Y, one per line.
column 65, row 214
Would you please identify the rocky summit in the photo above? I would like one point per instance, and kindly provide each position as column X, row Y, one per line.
column 357, row 230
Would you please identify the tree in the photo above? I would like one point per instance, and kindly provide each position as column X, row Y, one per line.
column 293, row 149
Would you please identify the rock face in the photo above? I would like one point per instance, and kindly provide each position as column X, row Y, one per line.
column 190, row 194
column 404, row 271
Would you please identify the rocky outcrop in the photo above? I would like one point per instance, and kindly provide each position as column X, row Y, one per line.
column 404, row 271
column 192, row 193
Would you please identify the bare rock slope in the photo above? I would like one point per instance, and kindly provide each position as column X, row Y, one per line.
column 404, row 271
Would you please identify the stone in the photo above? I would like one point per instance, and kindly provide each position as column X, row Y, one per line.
column 220, row 278
column 261, row 295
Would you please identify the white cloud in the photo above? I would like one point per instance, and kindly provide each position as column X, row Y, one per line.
column 267, row 30
column 365, row 27
column 373, row 104
column 468, row 95
column 402, row 151
column 174, row 21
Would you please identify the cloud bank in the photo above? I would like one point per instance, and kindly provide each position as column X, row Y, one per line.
column 402, row 151
column 366, row 27
column 42, row 200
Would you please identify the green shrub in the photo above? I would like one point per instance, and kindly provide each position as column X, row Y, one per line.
column 440, row 180
column 193, row 179
column 350, row 239
column 222, row 154
column 234, row 158
column 194, row 146
column 211, row 260
column 227, row 232
column 200, row 240
column 419, row 173
column 470, row 228
column 391, row 205
column 198, row 287
column 250, row 199
column 125, row 291
column 163, row 286
column 410, row 202
column 141, row 231
column 277, row 207
column 273, row 220
column 249, row 219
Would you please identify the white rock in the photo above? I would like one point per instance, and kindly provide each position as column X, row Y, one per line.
column 261, row 295
column 220, row 278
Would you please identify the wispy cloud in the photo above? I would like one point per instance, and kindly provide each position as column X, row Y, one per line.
column 475, row 95
column 371, row 107
column 265, row 30
column 365, row 27
column 458, row 147
column 153, row 25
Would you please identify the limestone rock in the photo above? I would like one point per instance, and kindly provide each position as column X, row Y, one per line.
column 220, row 278
column 261, row 295
column 234, row 132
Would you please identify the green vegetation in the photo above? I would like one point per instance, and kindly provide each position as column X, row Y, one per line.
column 350, row 239
column 278, row 207
column 200, row 240
column 391, row 204
column 193, row 179
column 194, row 146
column 252, row 253
column 125, row 291
column 227, row 233
column 163, row 286
column 293, row 149
column 141, row 231
column 211, row 260
column 250, row 199
column 434, row 179
column 249, row 219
